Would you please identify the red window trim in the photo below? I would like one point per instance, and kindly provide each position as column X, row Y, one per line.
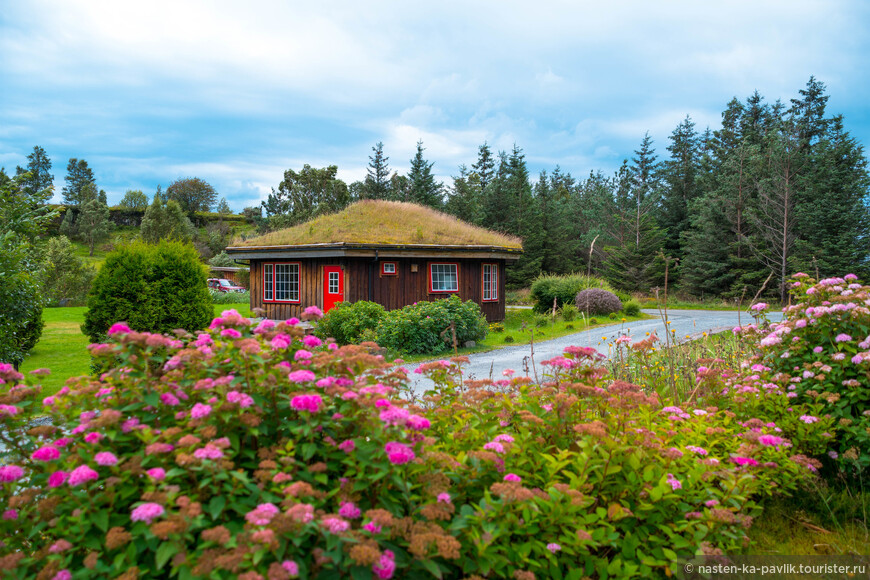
column 493, row 290
column 429, row 275
column 263, row 278
column 395, row 271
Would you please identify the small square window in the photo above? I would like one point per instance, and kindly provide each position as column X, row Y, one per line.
column 389, row 269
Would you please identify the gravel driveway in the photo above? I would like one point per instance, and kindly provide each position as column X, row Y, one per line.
column 685, row 323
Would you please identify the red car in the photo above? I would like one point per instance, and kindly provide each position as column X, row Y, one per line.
column 224, row 285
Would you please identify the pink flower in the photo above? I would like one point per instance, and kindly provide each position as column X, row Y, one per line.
column 697, row 450
column 399, row 453
column 758, row 307
column 200, row 410
column 302, row 354
column 118, row 328
column 347, row 446
column 310, row 403
column 262, row 515
column 230, row 333
column 147, row 512
column 512, row 477
column 744, row 461
column 443, row 498
column 10, row 515
column 241, row 399
column 553, row 547
column 843, row 337
column 82, row 474
column 311, row 341
column 386, row 566
column 281, row 341
column 47, row 453
column 210, row 451
column 675, row 483
column 57, row 479
column 157, row 473
column 772, row 441
column 313, row 311
column 417, row 423
column 62, row 575
column 301, row 376
column 494, row 446
column 504, row 437
column 372, row 528
column 105, row 458
column 809, row 419
column 12, row 409
column 335, row 525
column 59, row 546
column 290, row 567
column 349, row 510
column 93, row 437
column 711, row 503
column 169, row 399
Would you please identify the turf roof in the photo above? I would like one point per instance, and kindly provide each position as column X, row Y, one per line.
column 385, row 222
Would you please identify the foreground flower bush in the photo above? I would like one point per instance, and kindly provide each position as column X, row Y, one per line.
column 259, row 452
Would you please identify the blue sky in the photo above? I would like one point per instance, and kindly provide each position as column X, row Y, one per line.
column 236, row 93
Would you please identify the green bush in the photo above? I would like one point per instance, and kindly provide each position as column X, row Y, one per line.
column 631, row 308
column 419, row 328
column 21, row 320
column 569, row 312
column 156, row 288
column 348, row 322
column 541, row 320
column 564, row 289
column 66, row 278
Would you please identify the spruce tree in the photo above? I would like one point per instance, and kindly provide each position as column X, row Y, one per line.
column 485, row 165
column 377, row 180
column 81, row 184
column 39, row 179
column 224, row 207
column 679, row 175
column 424, row 189
column 465, row 197
column 93, row 223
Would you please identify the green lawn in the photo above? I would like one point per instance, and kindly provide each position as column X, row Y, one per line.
column 63, row 348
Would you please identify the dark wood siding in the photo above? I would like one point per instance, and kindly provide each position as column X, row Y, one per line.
column 363, row 280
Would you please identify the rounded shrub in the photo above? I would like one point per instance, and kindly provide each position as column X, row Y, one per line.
column 348, row 322
column 21, row 324
column 597, row 301
column 631, row 308
column 420, row 328
column 155, row 288
column 563, row 289
column 569, row 312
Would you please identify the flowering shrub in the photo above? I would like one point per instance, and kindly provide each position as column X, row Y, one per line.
column 347, row 322
column 820, row 354
column 256, row 451
column 419, row 327
column 597, row 301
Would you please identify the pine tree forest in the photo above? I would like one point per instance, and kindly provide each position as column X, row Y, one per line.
column 779, row 188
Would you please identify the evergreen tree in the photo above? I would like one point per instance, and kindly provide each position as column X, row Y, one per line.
column 464, row 198
column 165, row 222
column 65, row 277
column 68, row 225
column 39, row 178
column 224, row 207
column 377, row 180
column 523, row 220
column 81, row 185
column 485, row 166
column 495, row 203
column 424, row 189
column 399, row 188
column 93, row 223
column 678, row 175
column 808, row 114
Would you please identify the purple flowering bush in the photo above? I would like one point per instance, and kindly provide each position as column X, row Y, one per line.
column 259, row 452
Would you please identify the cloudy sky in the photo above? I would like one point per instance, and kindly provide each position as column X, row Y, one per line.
column 237, row 92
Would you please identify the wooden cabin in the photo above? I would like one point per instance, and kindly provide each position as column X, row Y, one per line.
column 392, row 253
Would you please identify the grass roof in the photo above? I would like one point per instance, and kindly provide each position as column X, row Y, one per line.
column 385, row 222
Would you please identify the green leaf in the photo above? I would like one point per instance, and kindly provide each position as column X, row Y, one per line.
column 216, row 506
column 164, row 553
column 101, row 520
column 152, row 399
column 433, row 568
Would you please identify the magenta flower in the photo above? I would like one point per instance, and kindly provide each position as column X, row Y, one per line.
column 674, row 482
column 772, row 441
column 310, row 403
column 241, row 399
column 843, row 337
column 147, row 512
column 210, row 451
column 744, row 461
column 93, row 437
column 118, row 328
column 347, row 446
column 157, row 473
column 200, row 410
column 12, row 409
column 335, row 525
column 372, row 528
column 47, row 453
column 291, row 568
column 311, row 341
column 301, row 376
column 349, row 510
column 302, row 354
column 758, row 307
column 399, row 453
column 809, row 419
column 57, row 479
column 313, row 311
column 417, row 423
column 553, row 547
column 82, row 474
column 230, row 333
column 386, row 566
column 697, row 450
column 62, row 575
column 711, row 503
column 512, row 477
column 494, row 446
column 10, row 514
column 10, row 473
column 105, row 458
column 169, row 399
column 443, row 498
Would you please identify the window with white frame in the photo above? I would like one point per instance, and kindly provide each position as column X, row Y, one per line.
column 490, row 282
column 443, row 278
column 281, row 282
column 388, row 268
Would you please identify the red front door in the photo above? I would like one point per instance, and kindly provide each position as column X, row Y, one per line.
column 333, row 286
